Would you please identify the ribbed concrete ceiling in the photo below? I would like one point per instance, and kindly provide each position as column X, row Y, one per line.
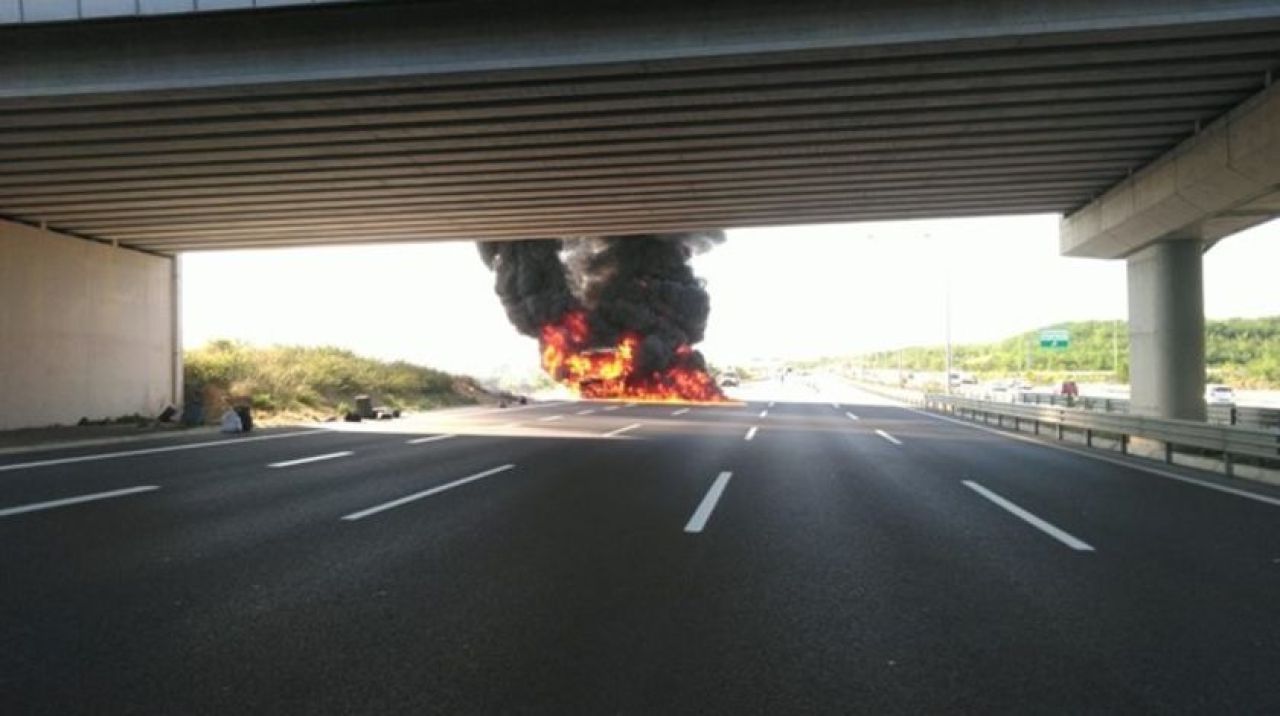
column 960, row 128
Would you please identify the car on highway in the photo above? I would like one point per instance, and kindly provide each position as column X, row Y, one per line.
column 1219, row 395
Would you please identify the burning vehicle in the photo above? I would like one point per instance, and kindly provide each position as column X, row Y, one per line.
column 600, row 364
column 615, row 317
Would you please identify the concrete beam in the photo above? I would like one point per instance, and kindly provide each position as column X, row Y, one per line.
column 368, row 40
column 386, row 121
column 1219, row 181
column 33, row 11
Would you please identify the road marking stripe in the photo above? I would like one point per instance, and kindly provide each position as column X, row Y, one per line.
column 530, row 406
column 613, row 407
column 888, row 437
column 836, row 406
column 1275, row 502
column 1054, row 532
column 708, row 504
column 852, row 416
column 681, row 411
column 151, row 451
column 429, row 439
column 588, row 411
column 549, row 418
column 771, row 403
column 764, row 413
column 619, row 431
column 36, row 507
column 629, row 405
column 314, row 458
column 751, row 433
column 425, row 493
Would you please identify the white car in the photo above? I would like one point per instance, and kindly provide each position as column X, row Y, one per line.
column 1219, row 395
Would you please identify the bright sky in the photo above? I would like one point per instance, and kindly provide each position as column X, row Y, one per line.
column 782, row 292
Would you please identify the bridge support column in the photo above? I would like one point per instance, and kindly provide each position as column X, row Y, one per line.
column 1166, row 330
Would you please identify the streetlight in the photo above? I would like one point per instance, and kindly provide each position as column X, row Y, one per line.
column 948, row 303
column 946, row 379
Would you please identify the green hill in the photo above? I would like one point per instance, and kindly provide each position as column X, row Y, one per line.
column 1244, row 352
column 316, row 383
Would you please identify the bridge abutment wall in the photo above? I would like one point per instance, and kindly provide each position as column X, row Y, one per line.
column 87, row 330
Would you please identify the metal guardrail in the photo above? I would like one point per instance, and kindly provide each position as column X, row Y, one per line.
column 1258, row 418
column 1085, row 402
column 1231, row 442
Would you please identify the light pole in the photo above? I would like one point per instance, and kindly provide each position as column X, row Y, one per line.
column 1115, row 350
column 946, row 269
column 948, row 312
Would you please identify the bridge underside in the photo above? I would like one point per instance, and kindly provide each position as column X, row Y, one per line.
column 392, row 122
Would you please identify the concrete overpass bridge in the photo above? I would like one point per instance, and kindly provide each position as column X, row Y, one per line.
column 132, row 131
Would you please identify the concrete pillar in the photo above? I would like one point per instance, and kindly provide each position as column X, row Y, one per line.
column 1166, row 330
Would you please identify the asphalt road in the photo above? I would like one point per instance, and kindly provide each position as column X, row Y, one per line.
column 800, row 557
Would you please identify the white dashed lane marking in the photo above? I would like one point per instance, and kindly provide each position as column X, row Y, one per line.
column 708, row 505
column 888, row 437
column 1045, row 527
column 313, row 458
column 425, row 493
column 80, row 499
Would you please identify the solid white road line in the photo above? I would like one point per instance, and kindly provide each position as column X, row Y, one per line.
column 681, row 411
column 888, row 437
column 852, row 416
column 549, row 418
column 36, row 507
column 425, row 493
column 588, row 411
column 751, row 434
column 1045, row 527
column 151, row 451
column 428, row 439
column 764, row 413
column 314, row 458
column 619, row 431
column 613, row 407
column 708, row 504
column 1275, row 502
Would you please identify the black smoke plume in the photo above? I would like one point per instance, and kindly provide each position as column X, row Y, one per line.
column 625, row 285
column 530, row 279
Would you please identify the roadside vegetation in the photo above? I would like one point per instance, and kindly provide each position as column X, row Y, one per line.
column 1242, row 352
column 297, row 382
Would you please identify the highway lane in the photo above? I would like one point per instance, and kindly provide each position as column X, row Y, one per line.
column 277, row 553
column 836, row 571
column 28, row 476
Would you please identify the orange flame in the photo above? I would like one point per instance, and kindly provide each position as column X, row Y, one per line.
column 611, row 372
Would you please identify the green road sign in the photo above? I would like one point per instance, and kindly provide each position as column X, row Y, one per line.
column 1057, row 338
